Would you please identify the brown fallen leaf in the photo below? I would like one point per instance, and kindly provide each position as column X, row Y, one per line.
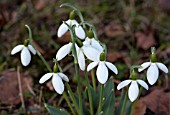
column 64, row 39
column 113, row 56
column 145, row 41
column 40, row 4
column 158, row 101
column 113, row 29
column 9, row 93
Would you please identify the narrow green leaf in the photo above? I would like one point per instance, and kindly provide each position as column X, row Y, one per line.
column 118, row 110
column 85, row 110
column 55, row 111
column 109, row 98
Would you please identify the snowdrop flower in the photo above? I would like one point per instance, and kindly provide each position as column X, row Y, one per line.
column 152, row 72
column 133, row 91
column 90, row 52
column 90, row 40
column 79, row 31
column 57, row 78
column 25, row 52
column 102, row 69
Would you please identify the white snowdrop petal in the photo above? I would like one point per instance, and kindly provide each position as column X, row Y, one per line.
column 102, row 73
column 97, row 45
column 33, row 51
column 25, row 56
column 152, row 74
column 16, row 49
column 112, row 67
column 144, row 66
column 63, row 51
column 92, row 65
column 142, row 83
column 73, row 22
column 123, row 84
column 80, row 33
column 162, row 67
column 91, row 53
column 57, row 84
column 86, row 41
column 81, row 59
column 45, row 77
column 133, row 91
column 62, row 29
column 63, row 76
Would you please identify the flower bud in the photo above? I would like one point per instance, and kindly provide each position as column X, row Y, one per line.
column 153, row 55
column 133, row 75
column 102, row 56
column 55, row 68
column 26, row 42
column 79, row 43
column 72, row 15
column 90, row 34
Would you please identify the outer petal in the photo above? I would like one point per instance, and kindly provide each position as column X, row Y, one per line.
column 63, row 51
column 25, row 56
column 63, row 76
column 16, row 49
column 123, row 84
column 152, row 74
column 143, row 84
column 73, row 22
column 33, row 51
column 96, row 45
column 45, row 77
column 62, row 30
column 144, row 66
column 102, row 73
column 162, row 67
column 112, row 67
column 80, row 32
column 81, row 59
column 92, row 65
column 133, row 91
column 91, row 53
column 57, row 84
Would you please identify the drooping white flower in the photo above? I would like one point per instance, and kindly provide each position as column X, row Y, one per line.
column 25, row 53
column 79, row 31
column 152, row 72
column 133, row 91
column 94, row 43
column 56, row 80
column 102, row 69
column 90, row 52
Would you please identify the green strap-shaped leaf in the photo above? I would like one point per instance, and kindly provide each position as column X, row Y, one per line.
column 109, row 98
column 55, row 111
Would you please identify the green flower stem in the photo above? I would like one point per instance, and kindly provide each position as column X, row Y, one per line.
column 76, row 68
column 38, row 53
column 101, row 99
column 76, row 9
column 93, row 79
column 79, row 89
column 124, row 103
column 89, row 93
column 134, row 103
column 69, row 103
column 69, row 88
column 72, row 96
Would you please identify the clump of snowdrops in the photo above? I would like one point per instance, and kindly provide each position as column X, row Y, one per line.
column 89, row 55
